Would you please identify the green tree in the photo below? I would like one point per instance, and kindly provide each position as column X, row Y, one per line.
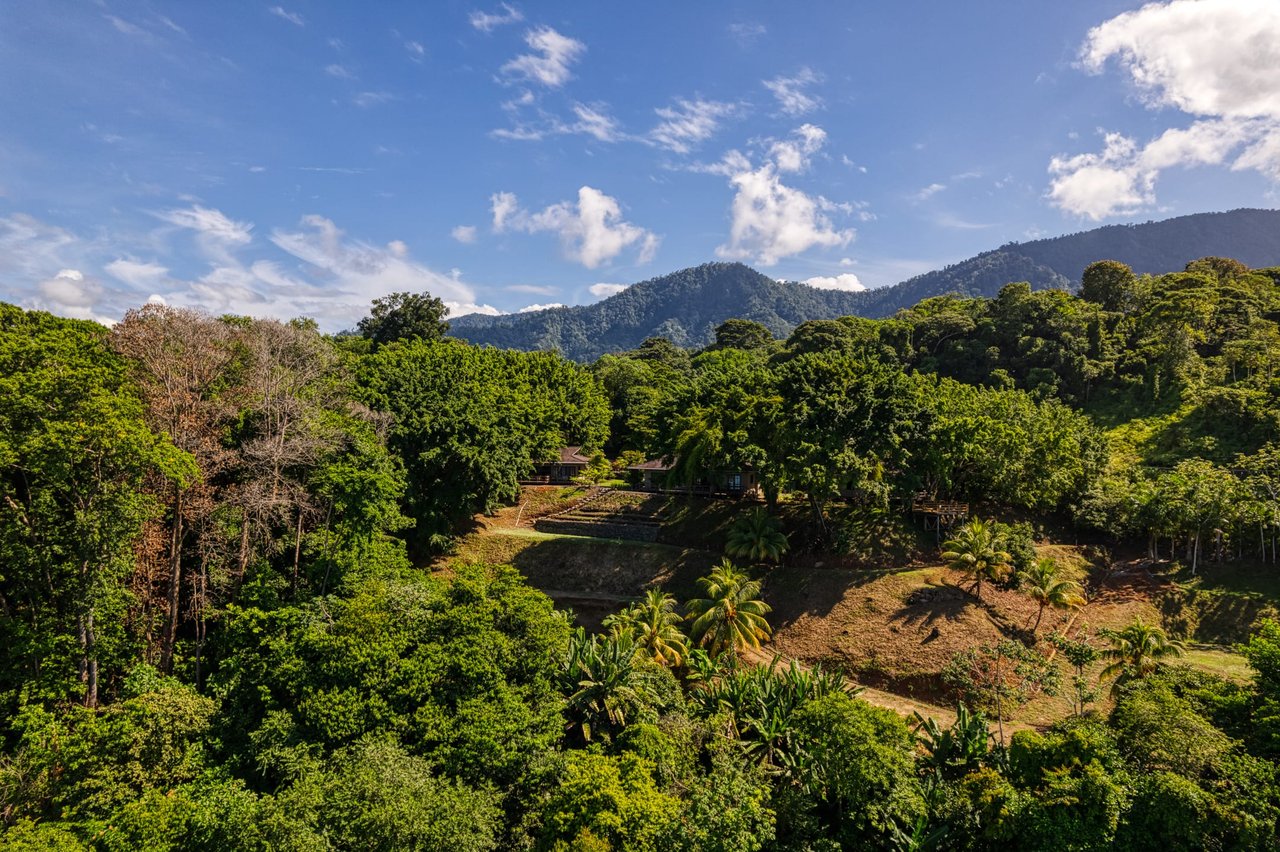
column 1045, row 583
column 1110, row 284
column 978, row 551
column 743, row 334
column 1137, row 650
column 655, row 625
column 405, row 316
column 732, row 616
column 756, row 537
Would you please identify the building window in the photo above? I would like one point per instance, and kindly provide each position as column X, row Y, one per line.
column 735, row 482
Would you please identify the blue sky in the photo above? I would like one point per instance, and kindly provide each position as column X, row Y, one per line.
column 302, row 158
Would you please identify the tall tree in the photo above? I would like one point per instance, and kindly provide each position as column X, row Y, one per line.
column 405, row 316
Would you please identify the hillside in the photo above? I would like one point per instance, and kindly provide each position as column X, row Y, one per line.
column 686, row 306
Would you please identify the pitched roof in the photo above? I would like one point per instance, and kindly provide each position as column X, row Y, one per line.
column 651, row 464
column 573, row 455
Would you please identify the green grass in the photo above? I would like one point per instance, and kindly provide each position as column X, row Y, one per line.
column 1224, row 664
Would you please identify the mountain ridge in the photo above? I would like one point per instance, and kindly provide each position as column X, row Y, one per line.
column 685, row 306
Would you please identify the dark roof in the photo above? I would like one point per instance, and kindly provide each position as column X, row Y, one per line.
column 573, row 455
column 651, row 464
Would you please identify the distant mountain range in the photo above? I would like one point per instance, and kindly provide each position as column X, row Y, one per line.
column 686, row 306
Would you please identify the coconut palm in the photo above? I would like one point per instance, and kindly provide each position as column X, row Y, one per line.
column 731, row 616
column 755, row 536
column 654, row 624
column 1137, row 651
column 1045, row 584
column 977, row 550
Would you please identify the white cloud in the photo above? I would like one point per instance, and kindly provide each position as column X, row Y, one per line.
column 141, row 275
column 504, row 206
column 210, row 223
column 528, row 309
column 331, row 277
column 771, row 220
column 416, row 51
column 339, row 71
column 688, row 123
column 1215, row 60
column 550, row 64
column 592, row 120
column 792, row 155
column 591, row 232
column 368, row 99
column 488, row 21
column 595, row 121
column 69, row 289
column 790, row 92
column 292, row 17
column 464, row 233
column 844, row 281
column 929, row 191
column 846, row 262
column 604, row 290
column 535, row 289
column 746, row 33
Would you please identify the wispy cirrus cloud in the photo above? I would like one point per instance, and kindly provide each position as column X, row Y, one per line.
column 487, row 22
column 689, row 122
column 791, row 92
column 285, row 15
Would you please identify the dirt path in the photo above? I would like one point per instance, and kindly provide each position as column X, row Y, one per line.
column 900, row 704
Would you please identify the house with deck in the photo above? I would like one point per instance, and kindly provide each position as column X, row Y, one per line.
column 655, row 475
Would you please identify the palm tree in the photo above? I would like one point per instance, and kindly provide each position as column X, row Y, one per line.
column 654, row 624
column 1137, row 651
column 755, row 536
column 731, row 616
column 1045, row 584
column 977, row 550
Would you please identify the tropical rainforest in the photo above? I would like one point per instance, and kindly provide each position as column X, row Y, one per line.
column 223, row 625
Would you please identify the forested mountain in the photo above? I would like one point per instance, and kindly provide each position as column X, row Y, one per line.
column 686, row 306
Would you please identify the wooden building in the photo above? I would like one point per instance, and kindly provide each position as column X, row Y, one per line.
column 568, row 467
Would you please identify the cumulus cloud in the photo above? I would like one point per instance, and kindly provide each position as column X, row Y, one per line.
column 771, row 220
column 688, row 122
column 604, row 290
column 340, row 71
column 1215, row 60
column 325, row 274
column 790, row 92
column 528, row 309
column 488, row 21
column 549, row 64
column 464, row 233
column 844, row 281
column 592, row 231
